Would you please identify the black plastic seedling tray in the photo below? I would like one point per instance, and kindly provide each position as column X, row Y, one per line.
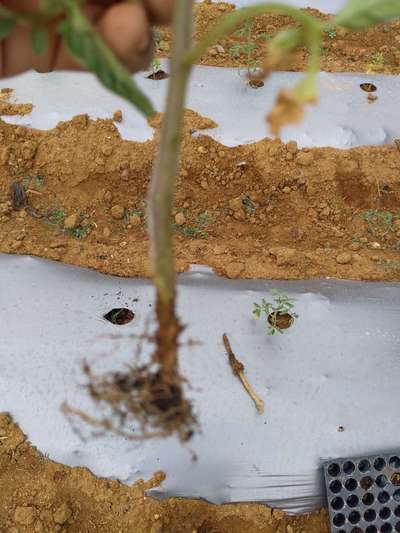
column 364, row 494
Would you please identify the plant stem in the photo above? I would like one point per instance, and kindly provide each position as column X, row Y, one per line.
column 162, row 189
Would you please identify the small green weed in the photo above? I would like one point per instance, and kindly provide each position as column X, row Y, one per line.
column 80, row 232
column 38, row 181
column 331, row 33
column 197, row 231
column 130, row 212
column 249, row 205
column 378, row 59
column 249, row 46
column 380, row 221
column 279, row 312
column 56, row 217
column 378, row 62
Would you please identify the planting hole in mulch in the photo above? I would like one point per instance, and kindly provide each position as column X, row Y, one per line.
column 120, row 316
column 368, row 87
column 159, row 75
column 280, row 321
column 256, row 84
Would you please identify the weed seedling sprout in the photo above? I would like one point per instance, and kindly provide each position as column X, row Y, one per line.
column 331, row 33
column 247, row 47
column 279, row 313
column 377, row 64
column 197, row 230
column 380, row 221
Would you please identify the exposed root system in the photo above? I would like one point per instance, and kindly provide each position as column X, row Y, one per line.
column 138, row 402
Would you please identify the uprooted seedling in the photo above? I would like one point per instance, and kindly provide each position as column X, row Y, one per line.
column 279, row 313
column 138, row 402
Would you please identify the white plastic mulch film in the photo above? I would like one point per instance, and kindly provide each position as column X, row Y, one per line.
column 326, row 6
column 336, row 368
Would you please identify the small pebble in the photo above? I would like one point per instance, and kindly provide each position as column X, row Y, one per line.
column 24, row 515
column 135, row 220
column 375, row 245
column 180, row 219
column 107, row 150
column 107, row 232
column 117, row 116
column 292, row 147
column 63, row 514
column 343, row 258
column 72, row 221
column 117, row 212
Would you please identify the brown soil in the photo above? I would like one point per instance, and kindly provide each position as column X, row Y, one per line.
column 279, row 320
column 376, row 49
column 38, row 495
column 11, row 108
column 266, row 210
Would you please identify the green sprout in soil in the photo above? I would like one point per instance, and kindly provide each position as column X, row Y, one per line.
column 55, row 219
column 380, row 221
column 378, row 59
column 279, row 313
column 377, row 64
column 331, row 33
column 81, row 232
column 197, row 231
column 37, row 181
column 248, row 47
column 155, row 65
column 131, row 212
column 249, row 205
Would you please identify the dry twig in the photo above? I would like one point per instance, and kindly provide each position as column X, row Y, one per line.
column 238, row 369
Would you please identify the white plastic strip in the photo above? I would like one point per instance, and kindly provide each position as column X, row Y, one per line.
column 326, row 6
column 342, row 119
column 337, row 366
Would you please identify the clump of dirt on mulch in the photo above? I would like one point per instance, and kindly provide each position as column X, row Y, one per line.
column 11, row 108
column 374, row 50
column 38, row 495
column 263, row 210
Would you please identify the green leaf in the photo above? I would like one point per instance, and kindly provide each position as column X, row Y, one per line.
column 360, row 14
column 39, row 39
column 49, row 8
column 7, row 24
column 90, row 50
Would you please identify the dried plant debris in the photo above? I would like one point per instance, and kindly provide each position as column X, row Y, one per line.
column 238, row 369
